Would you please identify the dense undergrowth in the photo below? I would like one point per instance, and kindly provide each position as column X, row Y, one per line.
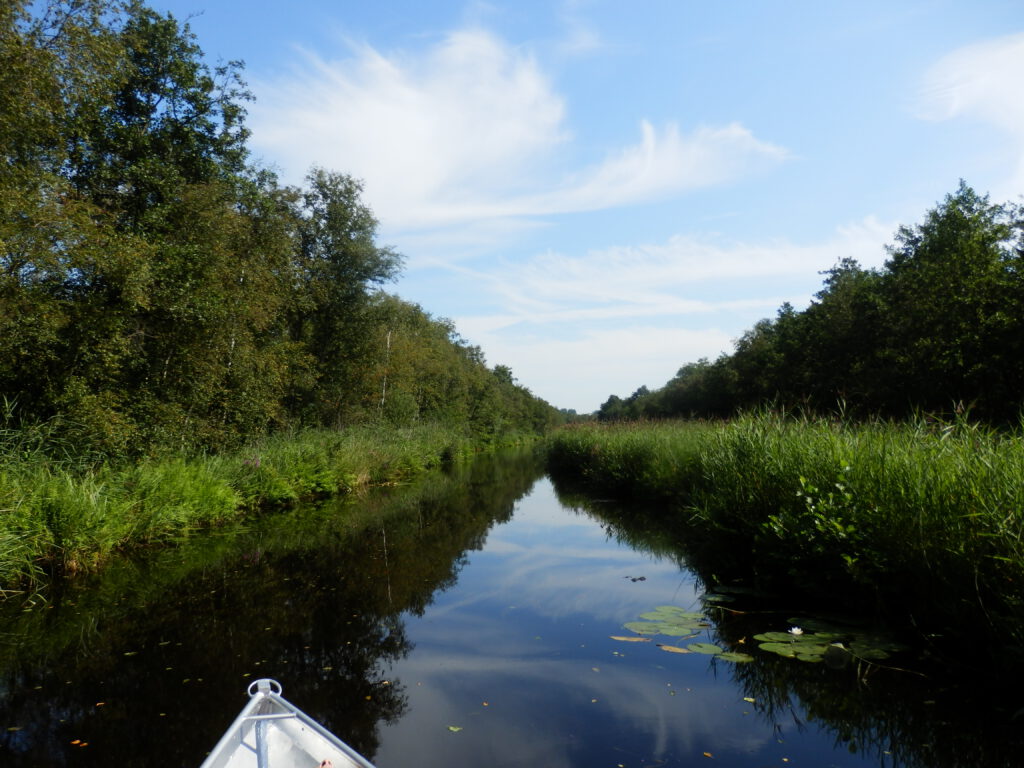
column 918, row 523
column 67, row 512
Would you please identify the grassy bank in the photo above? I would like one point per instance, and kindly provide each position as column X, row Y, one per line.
column 919, row 523
column 63, row 514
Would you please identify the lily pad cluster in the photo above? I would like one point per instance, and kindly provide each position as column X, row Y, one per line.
column 671, row 621
column 814, row 640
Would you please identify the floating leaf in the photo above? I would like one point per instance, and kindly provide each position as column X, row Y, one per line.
column 630, row 639
column 737, row 657
column 783, row 649
column 711, row 597
column 642, row 628
column 748, row 699
column 774, row 637
column 454, row 728
column 811, row 657
column 673, row 649
column 674, row 630
column 678, row 613
column 708, row 648
column 868, row 652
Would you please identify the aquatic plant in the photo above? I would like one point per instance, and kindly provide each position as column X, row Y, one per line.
column 921, row 523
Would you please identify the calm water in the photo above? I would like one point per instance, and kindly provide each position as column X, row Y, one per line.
column 467, row 620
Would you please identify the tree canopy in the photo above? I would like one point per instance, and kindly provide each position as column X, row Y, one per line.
column 939, row 328
column 158, row 290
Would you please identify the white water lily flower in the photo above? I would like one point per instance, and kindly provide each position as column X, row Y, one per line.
column 795, row 631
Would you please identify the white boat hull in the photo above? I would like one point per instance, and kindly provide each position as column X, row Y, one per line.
column 271, row 732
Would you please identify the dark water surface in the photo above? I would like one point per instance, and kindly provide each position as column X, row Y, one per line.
column 466, row 620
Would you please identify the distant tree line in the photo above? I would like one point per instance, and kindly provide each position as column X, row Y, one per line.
column 939, row 328
column 158, row 290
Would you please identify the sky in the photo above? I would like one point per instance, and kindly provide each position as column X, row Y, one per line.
column 596, row 192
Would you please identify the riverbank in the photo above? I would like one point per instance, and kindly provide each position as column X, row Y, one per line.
column 918, row 524
column 62, row 516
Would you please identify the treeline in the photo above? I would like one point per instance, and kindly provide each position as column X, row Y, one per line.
column 939, row 328
column 160, row 291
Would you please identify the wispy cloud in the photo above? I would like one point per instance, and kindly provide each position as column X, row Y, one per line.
column 981, row 82
column 649, row 308
column 673, row 278
column 469, row 131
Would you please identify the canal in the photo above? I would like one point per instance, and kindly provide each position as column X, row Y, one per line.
column 476, row 617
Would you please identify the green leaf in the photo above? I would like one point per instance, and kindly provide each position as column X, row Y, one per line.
column 673, row 649
column 642, row 627
column 736, row 656
column 782, row 649
column 708, row 648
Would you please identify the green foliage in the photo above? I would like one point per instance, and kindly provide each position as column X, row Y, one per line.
column 938, row 329
column 920, row 523
column 160, row 295
column 57, row 516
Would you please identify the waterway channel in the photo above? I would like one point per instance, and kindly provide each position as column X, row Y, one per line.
column 474, row 618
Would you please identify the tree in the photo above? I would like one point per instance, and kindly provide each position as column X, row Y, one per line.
column 337, row 263
column 953, row 285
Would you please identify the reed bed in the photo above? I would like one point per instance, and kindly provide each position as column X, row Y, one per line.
column 61, row 513
column 921, row 523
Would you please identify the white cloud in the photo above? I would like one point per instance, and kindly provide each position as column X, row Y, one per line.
column 656, row 279
column 982, row 82
column 623, row 317
column 467, row 132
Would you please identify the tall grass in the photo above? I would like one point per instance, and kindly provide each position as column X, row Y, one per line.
column 922, row 522
column 59, row 514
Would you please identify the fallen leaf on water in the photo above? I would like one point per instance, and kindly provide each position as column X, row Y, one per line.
column 454, row 728
column 708, row 754
column 748, row 698
column 595, row 669
column 623, row 639
column 673, row 649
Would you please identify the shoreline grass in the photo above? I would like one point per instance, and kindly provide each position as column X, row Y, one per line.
column 921, row 524
column 60, row 516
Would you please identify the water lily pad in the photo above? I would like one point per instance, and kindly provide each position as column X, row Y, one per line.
column 673, row 649
column 643, row 627
column 679, row 613
column 736, row 657
column 711, row 597
column 867, row 651
column 811, row 657
column 678, row 630
column 782, row 649
column 708, row 648
column 774, row 637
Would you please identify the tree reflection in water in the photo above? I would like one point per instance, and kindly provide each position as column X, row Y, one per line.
column 149, row 660
column 911, row 712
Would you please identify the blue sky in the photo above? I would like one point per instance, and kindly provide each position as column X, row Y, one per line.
column 598, row 192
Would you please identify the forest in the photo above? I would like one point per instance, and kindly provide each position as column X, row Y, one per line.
column 939, row 330
column 162, row 294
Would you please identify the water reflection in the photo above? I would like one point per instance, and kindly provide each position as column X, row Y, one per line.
column 467, row 620
column 908, row 711
column 149, row 662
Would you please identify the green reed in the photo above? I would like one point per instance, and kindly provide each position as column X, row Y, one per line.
column 921, row 522
column 61, row 514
